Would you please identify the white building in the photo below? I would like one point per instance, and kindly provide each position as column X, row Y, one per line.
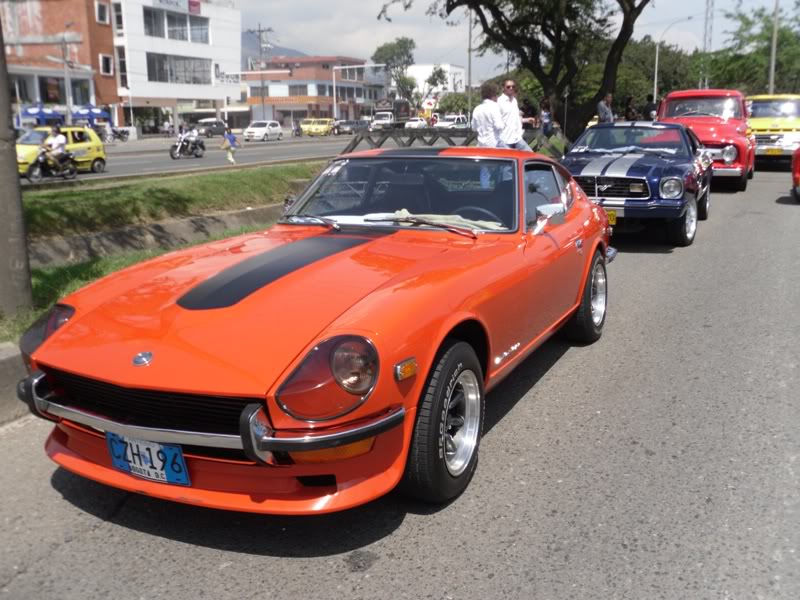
column 177, row 59
column 456, row 79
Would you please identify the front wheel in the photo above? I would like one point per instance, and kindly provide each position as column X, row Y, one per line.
column 35, row 173
column 586, row 325
column 444, row 446
column 174, row 153
column 123, row 136
column 682, row 231
column 741, row 183
column 704, row 205
column 109, row 138
column 280, row 136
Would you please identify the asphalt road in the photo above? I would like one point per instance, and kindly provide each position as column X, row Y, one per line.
column 660, row 462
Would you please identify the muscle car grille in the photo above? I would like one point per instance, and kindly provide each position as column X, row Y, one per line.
column 768, row 139
column 149, row 408
column 614, row 187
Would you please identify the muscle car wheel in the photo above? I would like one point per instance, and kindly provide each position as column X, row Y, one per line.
column 683, row 230
column 586, row 325
column 444, row 446
column 704, row 205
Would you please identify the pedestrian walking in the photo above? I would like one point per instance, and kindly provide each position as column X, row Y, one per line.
column 511, row 136
column 546, row 117
column 230, row 143
column 604, row 113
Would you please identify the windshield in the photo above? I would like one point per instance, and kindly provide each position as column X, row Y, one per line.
column 383, row 116
column 449, row 119
column 776, row 109
column 258, row 124
column 632, row 139
column 33, row 138
column 478, row 194
column 725, row 108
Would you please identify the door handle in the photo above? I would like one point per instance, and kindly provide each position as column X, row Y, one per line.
column 579, row 243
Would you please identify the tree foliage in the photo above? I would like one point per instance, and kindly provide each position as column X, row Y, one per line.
column 398, row 56
column 453, row 103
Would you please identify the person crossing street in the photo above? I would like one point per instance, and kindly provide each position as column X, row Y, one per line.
column 230, row 143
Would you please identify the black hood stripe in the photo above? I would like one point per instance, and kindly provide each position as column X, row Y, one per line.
column 234, row 284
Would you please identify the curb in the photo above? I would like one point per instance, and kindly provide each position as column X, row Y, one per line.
column 184, row 173
column 12, row 369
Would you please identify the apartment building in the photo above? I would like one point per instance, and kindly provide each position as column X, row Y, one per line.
column 289, row 88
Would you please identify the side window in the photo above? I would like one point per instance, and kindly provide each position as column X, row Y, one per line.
column 541, row 187
column 695, row 143
column 567, row 197
column 79, row 137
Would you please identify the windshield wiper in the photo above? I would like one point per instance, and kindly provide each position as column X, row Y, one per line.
column 305, row 219
column 422, row 221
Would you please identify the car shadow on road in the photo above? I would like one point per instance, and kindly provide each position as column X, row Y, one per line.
column 287, row 536
column 650, row 240
column 787, row 200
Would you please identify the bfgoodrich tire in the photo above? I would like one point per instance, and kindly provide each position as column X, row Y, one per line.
column 586, row 325
column 444, row 447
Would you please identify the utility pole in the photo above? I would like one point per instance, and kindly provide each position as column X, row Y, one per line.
column 15, row 275
column 774, row 50
column 67, row 79
column 708, row 42
column 469, row 65
column 262, row 45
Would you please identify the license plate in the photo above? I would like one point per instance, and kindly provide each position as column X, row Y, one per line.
column 612, row 217
column 774, row 151
column 148, row 460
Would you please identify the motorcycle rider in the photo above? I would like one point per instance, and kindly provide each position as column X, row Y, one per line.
column 55, row 147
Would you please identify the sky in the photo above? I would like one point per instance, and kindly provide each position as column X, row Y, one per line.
column 351, row 28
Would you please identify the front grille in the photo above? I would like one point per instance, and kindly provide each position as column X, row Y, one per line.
column 613, row 187
column 149, row 408
column 768, row 139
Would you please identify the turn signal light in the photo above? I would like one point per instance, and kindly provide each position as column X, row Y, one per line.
column 333, row 454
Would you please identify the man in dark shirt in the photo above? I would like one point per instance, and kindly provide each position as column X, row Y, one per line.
column 650, row 108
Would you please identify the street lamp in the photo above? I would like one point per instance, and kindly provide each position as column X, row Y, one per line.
column 658, row 45
column 341, row 68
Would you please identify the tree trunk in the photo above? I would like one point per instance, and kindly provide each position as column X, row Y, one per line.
column 15, row 277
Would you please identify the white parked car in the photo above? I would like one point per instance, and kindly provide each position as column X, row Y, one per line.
column 416, row 123
column 452, row 122
column 263, row 130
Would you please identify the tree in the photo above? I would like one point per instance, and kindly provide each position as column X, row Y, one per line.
column 15, row 277
column 453, row 103
column 437, row 78
column 553, row 39
column 398, row 56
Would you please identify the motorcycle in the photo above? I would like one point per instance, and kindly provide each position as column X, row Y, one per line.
column 186, row 147
column 41, row 167
column 296, row 131
column 117, row 134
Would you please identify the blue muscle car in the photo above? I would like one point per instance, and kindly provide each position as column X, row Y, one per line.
column 641, row 170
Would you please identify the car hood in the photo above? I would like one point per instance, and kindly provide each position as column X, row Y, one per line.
column 229, row 317
column 637, row 165
column 713, row 130
column 27, row 152
column 773, row 124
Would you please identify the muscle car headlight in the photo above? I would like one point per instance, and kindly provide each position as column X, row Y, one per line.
column 43, row 328
column 671, row 188
column 336, row 377
column 729, row 154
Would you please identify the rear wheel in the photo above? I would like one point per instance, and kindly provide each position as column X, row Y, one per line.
column 98, row 165
column 682, row 231
column 280, row 136
column 198, row 152
column 69, row 170
column 124, row 135
column 444, row 446
column 586, row 325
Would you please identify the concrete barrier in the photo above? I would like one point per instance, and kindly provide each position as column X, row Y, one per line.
column 12, row 369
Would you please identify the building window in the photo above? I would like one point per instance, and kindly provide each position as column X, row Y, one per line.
column 298, row 90
column 118, row 23
column 322, row 89
column 326, row 66
column 101, row 13
column 18, row 84
column 153, row 22
column 176, row 27
column 178, row 69
column 106, row 64
column 52, row 90
column 80, row 91
column 122, row 66
column 198, row 27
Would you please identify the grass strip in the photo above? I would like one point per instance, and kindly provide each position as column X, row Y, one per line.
column 58, row 212
column 53, row 283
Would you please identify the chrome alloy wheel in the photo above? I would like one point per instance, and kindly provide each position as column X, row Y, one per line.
column 463, row 423
column 599, row 294
column 691, row 221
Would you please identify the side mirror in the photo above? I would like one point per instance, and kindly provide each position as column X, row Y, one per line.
column 548, row 213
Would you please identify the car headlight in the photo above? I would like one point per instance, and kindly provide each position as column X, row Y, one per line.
column 671, row 188
column 729, row 154
column 43, row 328
column 20, row 158
column 335, row 378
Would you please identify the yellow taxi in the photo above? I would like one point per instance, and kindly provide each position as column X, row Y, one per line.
column 775, row 121
column 317, row 126
column 82, row 142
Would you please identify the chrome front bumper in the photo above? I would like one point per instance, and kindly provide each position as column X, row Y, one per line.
column 257, row 438
column 727, row 171
column 776, row 151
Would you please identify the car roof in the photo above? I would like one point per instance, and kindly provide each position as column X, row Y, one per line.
column 774, row 97
column 652, row 124
column 704, row 93
column 448, row 152
column 63, row 128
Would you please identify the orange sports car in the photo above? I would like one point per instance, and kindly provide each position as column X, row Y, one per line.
column 341, row 353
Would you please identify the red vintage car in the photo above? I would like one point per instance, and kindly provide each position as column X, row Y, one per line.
column 796, row 175
column 719, row 119
column 315, row 366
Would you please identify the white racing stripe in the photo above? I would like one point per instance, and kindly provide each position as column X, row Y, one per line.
column 595, row 167
column 619, row 168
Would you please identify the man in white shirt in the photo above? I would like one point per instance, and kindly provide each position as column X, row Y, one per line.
column 487, row 121
column 511, row 136
column 56, row 144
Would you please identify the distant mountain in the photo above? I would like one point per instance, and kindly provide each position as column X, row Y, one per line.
column 250, row 50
